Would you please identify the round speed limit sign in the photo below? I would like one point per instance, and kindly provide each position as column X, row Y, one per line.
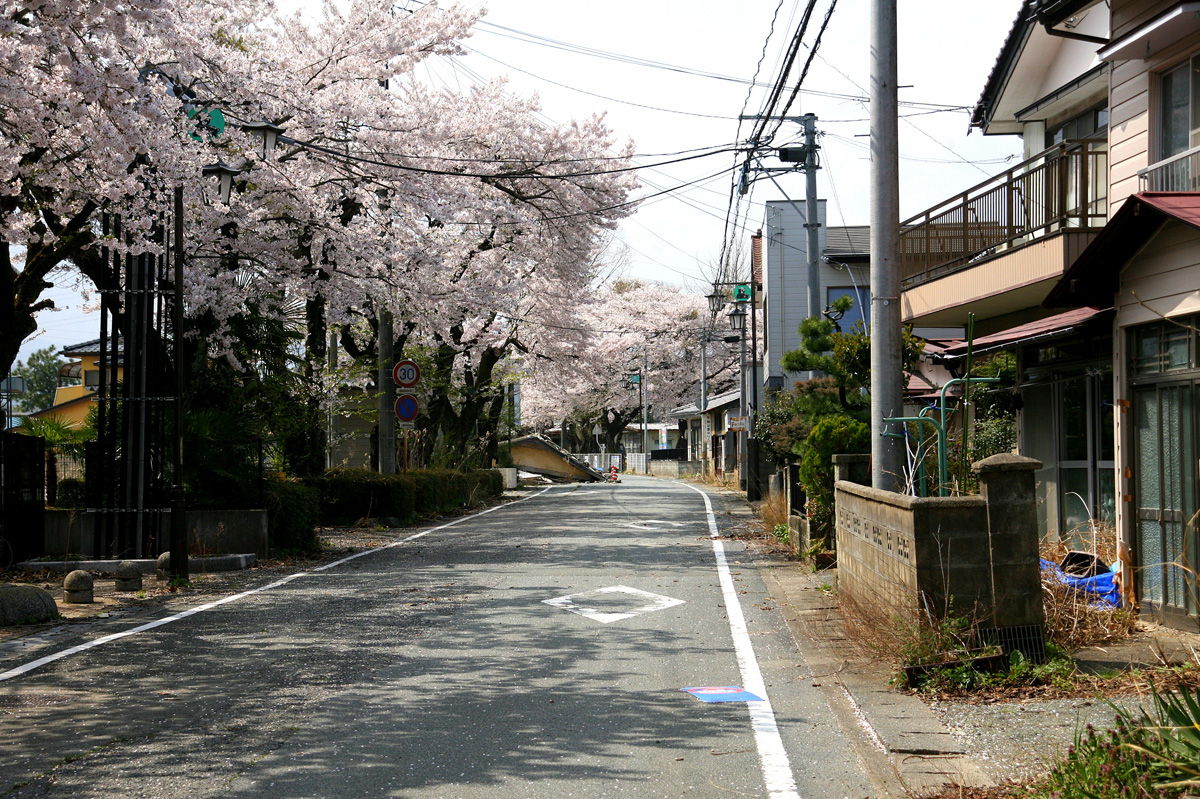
column 406, row 374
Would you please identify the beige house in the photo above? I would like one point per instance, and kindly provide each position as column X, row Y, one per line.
column 1085, row 261
column 1146, row 263
column 79, row 384
column 984, row 260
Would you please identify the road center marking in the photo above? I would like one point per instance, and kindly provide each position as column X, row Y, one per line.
column 579, row 603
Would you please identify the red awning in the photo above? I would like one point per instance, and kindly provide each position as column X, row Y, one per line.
column 1051, row 327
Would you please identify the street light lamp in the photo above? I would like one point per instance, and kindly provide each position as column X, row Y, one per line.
column 716, row 301
column 225, row 174
column 268, row 136
column 737, row 318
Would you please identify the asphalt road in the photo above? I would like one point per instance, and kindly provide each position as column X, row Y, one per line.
column 536, row 650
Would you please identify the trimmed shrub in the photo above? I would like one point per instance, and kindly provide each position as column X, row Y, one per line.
column 293, row 513
column 70, row 493
column 831, row 436
column 348, row 495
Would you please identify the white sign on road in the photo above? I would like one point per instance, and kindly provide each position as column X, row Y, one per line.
column 639, row 602
column 654, row 524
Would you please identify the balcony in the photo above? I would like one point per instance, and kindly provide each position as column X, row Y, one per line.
column 997, row 247
column 1178, row 173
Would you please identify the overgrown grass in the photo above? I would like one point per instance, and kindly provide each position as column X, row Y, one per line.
column 773, row 511
column 1152, row 754
column 1075, row 620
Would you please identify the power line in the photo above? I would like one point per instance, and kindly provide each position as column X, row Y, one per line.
column 807, row 64
column 603, row 96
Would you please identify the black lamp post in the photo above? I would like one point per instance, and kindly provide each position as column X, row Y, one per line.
column 224, row 174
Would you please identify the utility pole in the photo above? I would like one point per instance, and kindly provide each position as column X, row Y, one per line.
column 887, row 392
column 645, row 409
column 812, row 222
column 753, row 475
column 387, row 395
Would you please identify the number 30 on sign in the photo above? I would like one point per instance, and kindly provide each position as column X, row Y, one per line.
column 406, row 373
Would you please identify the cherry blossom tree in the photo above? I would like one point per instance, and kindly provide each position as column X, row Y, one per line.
column 631, row 322
column 471, row 221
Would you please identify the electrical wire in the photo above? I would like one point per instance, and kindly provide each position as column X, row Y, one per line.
column 603, row 96
column 807, row 64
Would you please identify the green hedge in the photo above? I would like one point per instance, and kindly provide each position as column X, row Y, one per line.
column 293, row 513
column 348, row 495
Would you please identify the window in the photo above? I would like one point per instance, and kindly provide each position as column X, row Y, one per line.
column 1179, row 109
column 1164, row 347
column 860, row 312
column 1083, row 126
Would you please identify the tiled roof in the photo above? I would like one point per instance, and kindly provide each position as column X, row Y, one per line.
column 89, row 347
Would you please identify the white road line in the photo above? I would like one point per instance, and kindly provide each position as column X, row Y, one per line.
column 75, row 650
column 777, row 769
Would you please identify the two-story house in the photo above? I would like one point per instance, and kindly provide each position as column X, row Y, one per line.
column 1146, row 263
column 79, row 382
column 991, row 254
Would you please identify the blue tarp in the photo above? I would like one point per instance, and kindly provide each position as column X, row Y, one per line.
column 1102, row 586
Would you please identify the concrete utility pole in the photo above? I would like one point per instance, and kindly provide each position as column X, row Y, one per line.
column 387, row 396
column 646, row 409
column 812, row 222
column 887, row 391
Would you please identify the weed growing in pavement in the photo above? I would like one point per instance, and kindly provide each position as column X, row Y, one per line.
column 773, row 511
column 1057, row 670
column 782, row 534
column 1153, row 754
column 1102, row 766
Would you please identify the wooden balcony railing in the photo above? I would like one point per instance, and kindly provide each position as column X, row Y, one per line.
column 1062, row 188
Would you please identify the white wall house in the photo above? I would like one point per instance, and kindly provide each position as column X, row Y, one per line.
column 785, row 280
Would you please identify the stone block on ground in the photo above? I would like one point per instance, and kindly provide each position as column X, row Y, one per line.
column 25, row 604
column 128, row 576
column 77, row 588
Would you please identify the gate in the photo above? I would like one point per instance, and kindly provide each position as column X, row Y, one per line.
column 22, row 498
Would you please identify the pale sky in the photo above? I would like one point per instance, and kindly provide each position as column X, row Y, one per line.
column 590, row 58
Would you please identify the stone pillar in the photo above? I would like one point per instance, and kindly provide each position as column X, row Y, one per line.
column 1007, row 486
column 852, row 468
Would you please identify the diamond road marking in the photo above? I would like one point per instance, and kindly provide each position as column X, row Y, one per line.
column 577, row 603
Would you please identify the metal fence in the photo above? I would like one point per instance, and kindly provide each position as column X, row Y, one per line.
column 1062, row 188
column 22, row 498
column 1180, row 173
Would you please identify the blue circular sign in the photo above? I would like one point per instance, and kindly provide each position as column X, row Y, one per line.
column 406, row 407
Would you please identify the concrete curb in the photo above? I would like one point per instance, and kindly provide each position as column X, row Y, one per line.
column 212, row 563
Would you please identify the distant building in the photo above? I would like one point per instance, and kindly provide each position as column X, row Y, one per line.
column 79, row 383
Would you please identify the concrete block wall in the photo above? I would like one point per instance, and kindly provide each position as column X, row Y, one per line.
column 974, row 556
column 674, row 468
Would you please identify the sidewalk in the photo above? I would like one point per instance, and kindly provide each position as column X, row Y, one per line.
column 932, row 745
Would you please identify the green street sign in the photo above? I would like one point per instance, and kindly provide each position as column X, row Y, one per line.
column 212, row 121
column 741, row 292
column 635, row 379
